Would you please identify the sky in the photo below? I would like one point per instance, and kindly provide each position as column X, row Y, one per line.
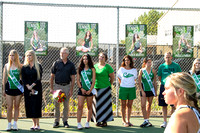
column 62, row 20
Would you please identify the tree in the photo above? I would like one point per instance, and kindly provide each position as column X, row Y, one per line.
column 150, row 19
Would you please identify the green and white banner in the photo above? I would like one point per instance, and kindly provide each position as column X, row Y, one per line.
column 136, row 40
column 183, row 41
column 87, row 39
column 36, row 37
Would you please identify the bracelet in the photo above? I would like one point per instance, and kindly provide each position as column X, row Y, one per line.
column 32, row 86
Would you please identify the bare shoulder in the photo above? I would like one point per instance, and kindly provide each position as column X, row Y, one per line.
column 187, row 118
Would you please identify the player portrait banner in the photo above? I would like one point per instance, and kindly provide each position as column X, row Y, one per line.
column 183, row 41
column 87, row 39
column 136, row 40
column 36, row 37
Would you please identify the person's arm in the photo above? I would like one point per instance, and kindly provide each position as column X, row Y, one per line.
column 187, row 44
column 155, row 81
column 93, row 81
column 51, row 82
column 5, row 79
column 159, row 78
column 132, row 45
column 72, row 85
column 112, row 77
column 79, row 84
column 25, row 79
column 140, row 83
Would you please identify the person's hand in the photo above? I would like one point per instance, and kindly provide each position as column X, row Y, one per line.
column 83, row 91
column 70, row 93
column 143, row 94
column 29, row 87
column 51, row 91
column 88, row 92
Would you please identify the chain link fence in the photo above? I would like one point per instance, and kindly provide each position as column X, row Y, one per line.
column 154, row 50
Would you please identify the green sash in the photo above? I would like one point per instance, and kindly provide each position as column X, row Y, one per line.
column 16, row 82
column 196, row 81
column 149, row 80
column 87, row 82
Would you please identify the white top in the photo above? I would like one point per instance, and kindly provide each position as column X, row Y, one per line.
column 127, row 77
column 171, row 120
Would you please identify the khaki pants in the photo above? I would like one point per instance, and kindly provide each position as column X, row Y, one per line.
column 65, row 89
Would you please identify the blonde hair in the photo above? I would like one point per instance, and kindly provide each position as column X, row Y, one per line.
column 36, row 64
column 193, row 65
column 16, row 61
column 186, row 82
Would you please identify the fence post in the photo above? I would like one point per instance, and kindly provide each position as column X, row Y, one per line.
column 117, row 62
column 1, row 55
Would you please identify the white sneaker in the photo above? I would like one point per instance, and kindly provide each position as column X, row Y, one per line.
column 163, row 125
column 87, row 125
column 79, row 126
column 15, row 127
column 9, row 128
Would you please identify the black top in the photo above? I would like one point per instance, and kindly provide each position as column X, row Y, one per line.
column 33, row 103
column 63, row 71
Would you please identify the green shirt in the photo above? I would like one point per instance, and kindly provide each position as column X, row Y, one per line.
column 16, row 73
column 165, row 70
column 89, row 75
column 146, row 86
column 102, row 76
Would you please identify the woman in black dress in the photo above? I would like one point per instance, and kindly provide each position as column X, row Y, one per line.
column 31, row 77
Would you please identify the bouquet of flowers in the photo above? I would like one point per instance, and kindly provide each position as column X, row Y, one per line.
column 59, row 96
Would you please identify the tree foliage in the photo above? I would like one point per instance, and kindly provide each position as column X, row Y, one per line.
column 150, row 19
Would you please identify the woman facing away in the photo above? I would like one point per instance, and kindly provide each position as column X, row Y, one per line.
column 85, row 80
column 180, row 90
column 127, row 74
column 148, row 89
column 12, row 89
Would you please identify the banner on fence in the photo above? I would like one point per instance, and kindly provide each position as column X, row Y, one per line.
column 136, row 40
column 183, row 41
column 87, row 39
column 36, row 37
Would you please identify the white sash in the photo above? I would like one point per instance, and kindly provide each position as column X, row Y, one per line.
column 149, row 80
column 86, row 80
column 16, row 82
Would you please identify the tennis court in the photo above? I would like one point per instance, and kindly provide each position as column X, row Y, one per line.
column 114, row 126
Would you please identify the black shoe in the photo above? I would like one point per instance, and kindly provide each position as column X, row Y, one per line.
column 66, row 124
column 144, row 124
column 55, row 124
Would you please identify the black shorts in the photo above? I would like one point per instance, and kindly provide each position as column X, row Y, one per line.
column 161, row 100
column 148, row 93
column 12, row 92
column 80, row 93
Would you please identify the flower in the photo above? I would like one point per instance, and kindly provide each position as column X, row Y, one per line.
column 59, row 96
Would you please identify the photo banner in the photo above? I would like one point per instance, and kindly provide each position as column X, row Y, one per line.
column 87, row 39
column 136, row 40
column 183, row 41
column 36, row 37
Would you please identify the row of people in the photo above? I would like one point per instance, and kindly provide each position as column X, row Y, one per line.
column 100, row 77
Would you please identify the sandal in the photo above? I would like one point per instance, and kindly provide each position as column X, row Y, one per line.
column 130, row 124
column 98, row 124
column 104, row 124
column 125, row 124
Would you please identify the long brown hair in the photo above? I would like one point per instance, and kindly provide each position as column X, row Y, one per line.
column 131, row 61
